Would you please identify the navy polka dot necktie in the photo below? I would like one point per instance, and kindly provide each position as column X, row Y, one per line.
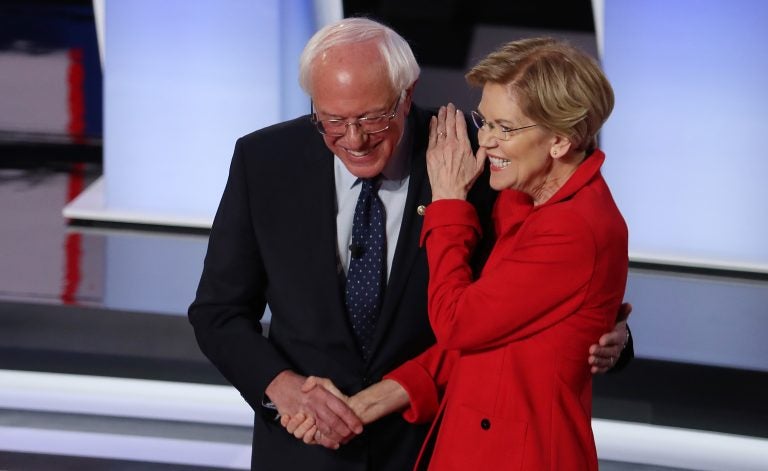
column 366, row 277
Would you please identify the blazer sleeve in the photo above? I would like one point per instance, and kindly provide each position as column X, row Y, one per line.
column 424, row 379
column 230, row 300
column 542, row 277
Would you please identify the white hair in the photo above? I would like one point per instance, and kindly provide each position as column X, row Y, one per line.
column 395, row 51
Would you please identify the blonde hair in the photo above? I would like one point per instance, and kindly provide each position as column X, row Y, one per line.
column 557, row 86
column 395, row 52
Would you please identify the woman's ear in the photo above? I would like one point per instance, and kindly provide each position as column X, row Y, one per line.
column 561, row 145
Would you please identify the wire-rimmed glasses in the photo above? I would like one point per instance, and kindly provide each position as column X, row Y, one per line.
column 498, row 131
column 366, row 124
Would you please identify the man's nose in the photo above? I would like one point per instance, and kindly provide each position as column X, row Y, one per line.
column 354, row 135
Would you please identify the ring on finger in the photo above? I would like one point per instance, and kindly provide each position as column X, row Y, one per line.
column 318, row 435
column 441, row 134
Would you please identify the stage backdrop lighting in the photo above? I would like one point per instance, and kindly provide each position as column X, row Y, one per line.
column 685, row 156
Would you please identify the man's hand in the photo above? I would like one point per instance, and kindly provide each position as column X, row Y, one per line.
column 604, row 354
column 304, row 427
column 329, row 414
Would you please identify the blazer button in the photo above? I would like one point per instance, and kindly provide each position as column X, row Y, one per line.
column 485, row 424
column 421, row 209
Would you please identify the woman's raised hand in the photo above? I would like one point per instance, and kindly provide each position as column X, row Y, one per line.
column 451, row 165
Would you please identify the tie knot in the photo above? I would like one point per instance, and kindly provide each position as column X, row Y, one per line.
column 369, row 185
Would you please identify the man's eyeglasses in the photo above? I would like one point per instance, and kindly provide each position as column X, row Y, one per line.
column 366, row 124
column 497, row 130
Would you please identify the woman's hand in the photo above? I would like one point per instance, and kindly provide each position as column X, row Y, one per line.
column 451, row 165
column 379, row 399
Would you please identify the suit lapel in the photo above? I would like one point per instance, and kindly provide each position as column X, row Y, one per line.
column 419, row 193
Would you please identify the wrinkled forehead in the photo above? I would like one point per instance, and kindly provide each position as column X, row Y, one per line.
column 350, row 64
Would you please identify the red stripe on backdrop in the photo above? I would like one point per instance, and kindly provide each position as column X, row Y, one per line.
column 76, row 98
column 76, row 128
column 73, row 243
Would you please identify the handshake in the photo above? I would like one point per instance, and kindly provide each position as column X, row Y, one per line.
column 315, row 411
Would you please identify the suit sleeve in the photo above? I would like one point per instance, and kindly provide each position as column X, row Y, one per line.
column 626, row 356
column 230, row 300
column 540, row 280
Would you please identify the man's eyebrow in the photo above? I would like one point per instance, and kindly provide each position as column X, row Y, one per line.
column 371, row 114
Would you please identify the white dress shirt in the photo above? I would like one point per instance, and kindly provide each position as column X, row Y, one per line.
column 393, row 191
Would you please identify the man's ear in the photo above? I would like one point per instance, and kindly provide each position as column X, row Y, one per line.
column 408, row 99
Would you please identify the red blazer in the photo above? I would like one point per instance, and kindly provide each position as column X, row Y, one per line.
column 512, row 345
